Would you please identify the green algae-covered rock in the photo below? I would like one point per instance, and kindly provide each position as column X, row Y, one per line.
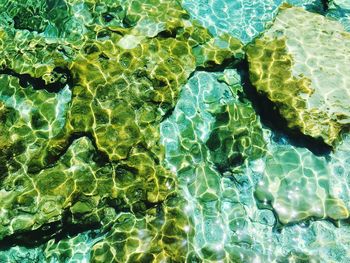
column 88, row 94
column 301, row 64
column 81, row 102
column 123, row 83
column 31, row 118
column 235, row 136
column 76, row 180
column 159, row 236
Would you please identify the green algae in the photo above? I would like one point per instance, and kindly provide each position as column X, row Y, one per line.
column 106, row 124
column 287, row 67
column 75, row 180
column 83, row 115
column 236, row 135
column 159, row 236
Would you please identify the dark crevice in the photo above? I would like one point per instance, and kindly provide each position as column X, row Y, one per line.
column 167, row 34
column 100, row 157
column 58, row 230
column 129, row 21
column 267, row 110
column 325, row 5
column 167, row 114
column 318, row 7
column 60, row 78
column 63, row 228
column 107, row 17
column 212, row 67
column 271, row 117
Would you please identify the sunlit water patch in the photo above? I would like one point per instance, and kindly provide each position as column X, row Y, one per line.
column 244, row 19
column 245, row 213
column 93, row 94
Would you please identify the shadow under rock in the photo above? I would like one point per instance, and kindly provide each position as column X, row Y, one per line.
column 58, row 230
column 318, row 6
column 272, row 119
column 63, row 76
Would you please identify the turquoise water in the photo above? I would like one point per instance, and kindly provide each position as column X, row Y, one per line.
column 243, row 19
column 168, row 131
column 254, row 185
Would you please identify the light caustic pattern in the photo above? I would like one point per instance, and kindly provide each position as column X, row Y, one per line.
column 80, row 114
column 228, row 226
column 244, row 19
column 207, row 109
column 126, row 136
column 291, row 64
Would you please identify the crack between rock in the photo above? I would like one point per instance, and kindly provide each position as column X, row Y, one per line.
column 102, row 157
column 38, row 83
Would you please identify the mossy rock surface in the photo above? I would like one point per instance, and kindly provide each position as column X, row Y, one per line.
column 84, row 86
column 126, row 136
column 291, row 64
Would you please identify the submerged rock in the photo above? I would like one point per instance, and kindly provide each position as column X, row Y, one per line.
column 301, row 63
column 236, row 135
column 80, row 113
column 161, row 235
column 106, row 125
column 296, row 184
column 212, row 127
column 30, row 201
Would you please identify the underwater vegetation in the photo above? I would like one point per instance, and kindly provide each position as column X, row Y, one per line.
column 174, row 131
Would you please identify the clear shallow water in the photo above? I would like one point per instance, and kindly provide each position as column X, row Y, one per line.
column 244, row 192
column 243, row 19
column 235, row 208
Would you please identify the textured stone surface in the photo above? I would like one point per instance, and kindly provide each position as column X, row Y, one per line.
column 224, row 206
column 126, row 136
column 75, row 181
column 211, row 129
column 291, row 64
column 162, row 235
column 81, row 104
column 297, row 185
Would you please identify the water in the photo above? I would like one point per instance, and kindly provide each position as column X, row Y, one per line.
column 129, row 134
